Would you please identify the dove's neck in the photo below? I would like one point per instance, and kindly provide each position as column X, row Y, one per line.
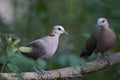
column 103, row 28
column 54, row 34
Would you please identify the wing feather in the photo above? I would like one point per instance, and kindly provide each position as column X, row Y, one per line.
column 90, row 45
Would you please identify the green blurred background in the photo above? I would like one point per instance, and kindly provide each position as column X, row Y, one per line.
column 33, row 19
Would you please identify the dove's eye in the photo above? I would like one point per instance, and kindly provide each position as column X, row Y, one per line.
column 103, row 21
column 59, row 29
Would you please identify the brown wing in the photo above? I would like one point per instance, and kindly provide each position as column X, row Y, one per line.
column 90, row 45
column 38, row 50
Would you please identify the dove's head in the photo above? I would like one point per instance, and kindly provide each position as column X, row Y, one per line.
column 58, row 29
column 102, row 22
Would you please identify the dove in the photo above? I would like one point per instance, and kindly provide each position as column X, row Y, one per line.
column 100, row 40
column 44, row 48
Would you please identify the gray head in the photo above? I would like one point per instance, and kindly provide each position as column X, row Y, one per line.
column 102, row 22
column 58, row 29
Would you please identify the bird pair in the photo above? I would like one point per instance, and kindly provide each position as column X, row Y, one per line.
column 99, row 41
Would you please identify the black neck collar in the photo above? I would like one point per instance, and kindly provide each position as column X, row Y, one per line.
column 52, row 35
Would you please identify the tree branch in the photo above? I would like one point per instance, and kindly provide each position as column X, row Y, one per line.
column 69, row 72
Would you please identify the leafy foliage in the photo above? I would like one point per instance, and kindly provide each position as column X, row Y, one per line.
column 13, row 59
column 66, row 60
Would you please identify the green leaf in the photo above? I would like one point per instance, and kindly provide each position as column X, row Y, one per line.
column 3, row 59
column 23, row 63
column 14, row 49
column 9, row 51
column 73, row 60
column 70, row 60
column 25, row 49
column 63, row 60
column 13, row 68
column 9, row 40
column 41, row 63
column 16, row 41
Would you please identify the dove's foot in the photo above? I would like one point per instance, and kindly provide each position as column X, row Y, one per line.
column 39, row 71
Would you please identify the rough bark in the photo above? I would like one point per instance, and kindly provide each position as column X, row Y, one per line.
column 68, row 72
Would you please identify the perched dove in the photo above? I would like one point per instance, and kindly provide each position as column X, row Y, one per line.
column 45, row 47
column 100, row 40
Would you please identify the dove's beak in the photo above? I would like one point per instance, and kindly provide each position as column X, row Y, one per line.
column 65, row 32
column 97, row 25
